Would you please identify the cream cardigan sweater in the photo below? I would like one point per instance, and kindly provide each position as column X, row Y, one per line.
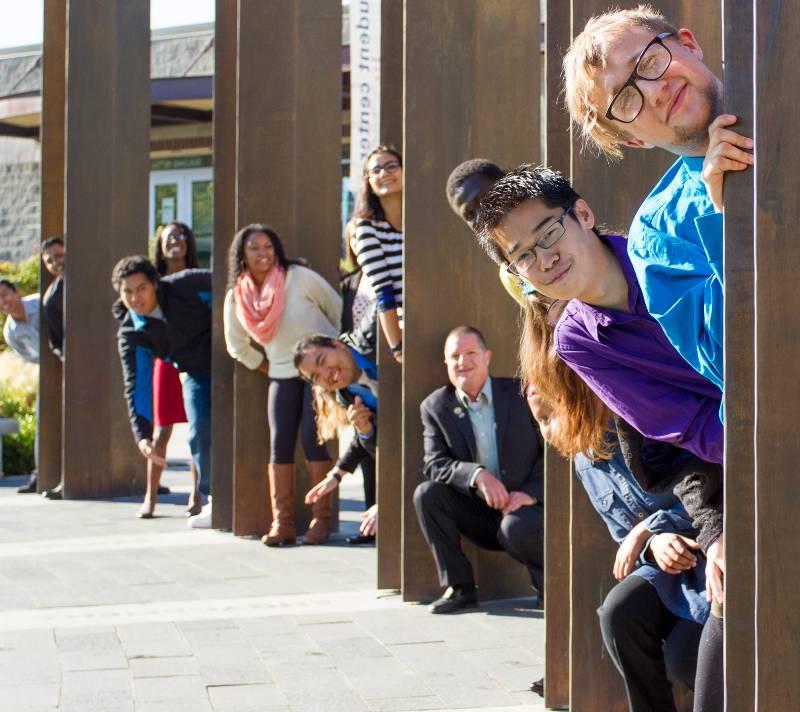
column 312, row 306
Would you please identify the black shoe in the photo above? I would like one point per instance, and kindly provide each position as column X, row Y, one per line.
column 537, row 686
column 455, row 599
column 361, row 539
column 28, row 488
column 55, row 493
column 163, row 489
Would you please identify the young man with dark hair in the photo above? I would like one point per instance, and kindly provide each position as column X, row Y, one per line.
column 21, row 332
column 169, row 318
column 484, row 469
column 535, row 223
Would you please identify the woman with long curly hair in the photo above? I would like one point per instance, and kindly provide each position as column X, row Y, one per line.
column 275, row 302
column 175, row 251
column 378, row 241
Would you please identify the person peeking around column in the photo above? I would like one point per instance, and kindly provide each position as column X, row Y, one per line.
column 378, row 241
column 344, row 378
column 653, row 620
column 167, row 318
column 275, row 302
column 533, row 221
column 483, row 467
column 54, row 261
column 21, row 333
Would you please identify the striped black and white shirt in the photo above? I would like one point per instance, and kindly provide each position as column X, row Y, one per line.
column 379, row 251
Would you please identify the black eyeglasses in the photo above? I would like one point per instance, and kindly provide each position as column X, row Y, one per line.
column 389, row 167
column 551, row 235
column 651, row 65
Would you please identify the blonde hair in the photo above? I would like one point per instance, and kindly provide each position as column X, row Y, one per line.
column 584, row 420
column 585, row 56
column 330, row 414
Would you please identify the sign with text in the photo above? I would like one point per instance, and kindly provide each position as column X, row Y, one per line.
column 365, row 83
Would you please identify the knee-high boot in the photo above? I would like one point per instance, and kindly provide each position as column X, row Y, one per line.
column 281, row 493
column 320, row 527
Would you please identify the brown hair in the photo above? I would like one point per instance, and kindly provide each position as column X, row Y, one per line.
column 330, row 414
column 584, row 418
column 585, row 56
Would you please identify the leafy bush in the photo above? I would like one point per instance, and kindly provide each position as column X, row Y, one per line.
column 18, row 400
column 25, row 275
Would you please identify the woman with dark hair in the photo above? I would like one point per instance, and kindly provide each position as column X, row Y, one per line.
column 378, row 241
column 276, row 302
column 175, row 251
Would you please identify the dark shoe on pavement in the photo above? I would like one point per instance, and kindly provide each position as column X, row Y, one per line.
column 456, row 599
column 163, row 489
column 537, row 686
column 361, row 539
column 28, row 488
column 56, row 493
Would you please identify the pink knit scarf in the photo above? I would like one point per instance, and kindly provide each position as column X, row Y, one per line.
column 260, row 310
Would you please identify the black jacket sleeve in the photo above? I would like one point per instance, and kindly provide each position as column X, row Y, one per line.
column 659, row 466
column 439, row 465
column 53, row 305
column 137, row 375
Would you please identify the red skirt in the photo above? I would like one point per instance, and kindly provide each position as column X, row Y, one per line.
column 167, row 395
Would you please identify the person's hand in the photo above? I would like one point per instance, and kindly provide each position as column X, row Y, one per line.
column 263, row 367
column 146, row 448
column 327, row 485
column 727, row 151
column 715, row 570
column 492, row 490
column 360, row 417
column 398, row 356
column 628, row 552
column 518, row 500
column 369, row 521
column 673, row 552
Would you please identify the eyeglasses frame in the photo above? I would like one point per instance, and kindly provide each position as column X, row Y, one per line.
column 560, row 220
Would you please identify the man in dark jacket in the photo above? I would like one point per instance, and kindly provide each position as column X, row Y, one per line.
column 346, row 366
column 169, row 318
column 484, row 470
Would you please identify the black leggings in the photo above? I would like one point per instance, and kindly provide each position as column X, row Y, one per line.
column 289, row 409
column 649, row 644
column 709, row 689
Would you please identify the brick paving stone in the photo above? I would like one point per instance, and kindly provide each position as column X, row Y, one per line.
column 248, row 698
column 164, row 667
column 169, row 689
column 404, row 704
column 15, row 698
column 179, row 706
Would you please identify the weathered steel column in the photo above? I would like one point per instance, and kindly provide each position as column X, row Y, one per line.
column 777, row 348
column 740, row 358
column 463, row 99
column 225, row 29
column 108, row 122
column 54, row 57
column 557, row 147
column 390, row 416
column 288, row 176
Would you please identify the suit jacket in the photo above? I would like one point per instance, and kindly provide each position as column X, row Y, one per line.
column 450, row 451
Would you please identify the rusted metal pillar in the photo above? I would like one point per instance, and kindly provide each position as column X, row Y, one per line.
column 54, row 58
column 107, row 166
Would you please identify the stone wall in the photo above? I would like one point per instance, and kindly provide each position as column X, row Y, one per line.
column 20, row 198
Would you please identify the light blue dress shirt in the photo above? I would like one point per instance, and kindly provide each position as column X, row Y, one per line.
column 481, row 415
column 23, row 336
column 676, row 248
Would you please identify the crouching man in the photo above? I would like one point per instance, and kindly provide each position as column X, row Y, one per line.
column 484, row 470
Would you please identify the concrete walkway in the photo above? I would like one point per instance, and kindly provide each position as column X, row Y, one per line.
column 100, row 611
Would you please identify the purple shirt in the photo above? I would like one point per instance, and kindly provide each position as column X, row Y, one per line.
column 627, row 360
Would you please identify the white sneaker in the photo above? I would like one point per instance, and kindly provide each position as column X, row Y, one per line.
column 202, row 520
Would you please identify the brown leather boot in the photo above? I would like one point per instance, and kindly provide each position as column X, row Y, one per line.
column 281, row 493
column 320, row 528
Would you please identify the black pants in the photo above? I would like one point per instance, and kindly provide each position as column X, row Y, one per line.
column 368, row 473
column 649, row 644
column 289, row 409
column 445, row 515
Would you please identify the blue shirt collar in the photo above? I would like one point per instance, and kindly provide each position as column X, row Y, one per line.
column 367, row 366
column 486, row 391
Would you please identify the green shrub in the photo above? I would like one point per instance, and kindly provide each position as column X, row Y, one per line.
column 25, row 275
column 18, row 449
